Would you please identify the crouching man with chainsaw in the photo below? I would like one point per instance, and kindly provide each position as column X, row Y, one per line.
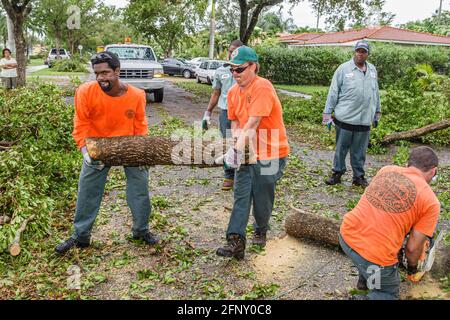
column 257, row 123
column 398, row 202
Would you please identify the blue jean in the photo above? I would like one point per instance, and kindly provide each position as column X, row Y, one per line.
column 225, row 125
column 357, row 142
column 91, row 187
column 389, row 278
column 253, row 186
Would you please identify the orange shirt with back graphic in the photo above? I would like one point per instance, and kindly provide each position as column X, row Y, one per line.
column 397, row 200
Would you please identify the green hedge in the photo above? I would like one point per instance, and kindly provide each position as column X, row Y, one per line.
column 316, row 65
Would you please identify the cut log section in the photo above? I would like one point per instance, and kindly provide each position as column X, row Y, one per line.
column 134, row 151
column 14, row 248
column 405, row 135
column 302, row 224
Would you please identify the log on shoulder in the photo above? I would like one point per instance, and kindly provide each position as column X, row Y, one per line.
column 136, row 151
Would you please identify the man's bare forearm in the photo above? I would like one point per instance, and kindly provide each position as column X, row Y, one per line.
column 213, row 100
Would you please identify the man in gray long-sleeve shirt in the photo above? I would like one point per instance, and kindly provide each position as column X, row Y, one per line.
column 355, row 100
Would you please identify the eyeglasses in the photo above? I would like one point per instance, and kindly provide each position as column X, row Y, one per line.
column 239, row 69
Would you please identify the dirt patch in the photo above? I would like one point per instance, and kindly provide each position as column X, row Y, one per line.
column 281, row 259
column 427, row 288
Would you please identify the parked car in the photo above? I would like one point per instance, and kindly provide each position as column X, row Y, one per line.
column 173, row 66
column 139, row 67
column 206, row 71
column 52, row 56
column 197, row 61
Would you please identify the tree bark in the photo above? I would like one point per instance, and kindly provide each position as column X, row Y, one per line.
column 136, row 151
column 302, row 224
column 14, row 248
column 404, row 135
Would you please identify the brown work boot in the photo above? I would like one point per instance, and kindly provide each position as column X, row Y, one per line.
column 259, row 239
column 235, row 247
column 227, row 184
column 334, row 179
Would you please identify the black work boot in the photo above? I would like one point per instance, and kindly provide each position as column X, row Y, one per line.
column 362, row 284
column 259, row 239
column 360, row 182
column 235, row 247
column 149, row 238
column 335, row 178
column 65, row 246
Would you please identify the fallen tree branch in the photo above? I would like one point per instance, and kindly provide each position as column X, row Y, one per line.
column 14, row 248
column 405, row 135
column 133, row 151
column 4, row 220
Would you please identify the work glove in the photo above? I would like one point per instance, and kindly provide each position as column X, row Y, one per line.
column 232, row 159
column 327, row 120
column 376, row 119
column 89, row 160
column 414, row 275
column 206, row 121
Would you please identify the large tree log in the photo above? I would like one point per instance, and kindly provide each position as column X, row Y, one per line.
column 314, row 227
column 14, row 248
column 136, row 151
column 405, row 135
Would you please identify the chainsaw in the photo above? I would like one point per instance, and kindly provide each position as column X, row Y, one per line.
column 427, row 257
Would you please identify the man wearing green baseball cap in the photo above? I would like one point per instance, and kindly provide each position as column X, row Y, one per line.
column 257, row 125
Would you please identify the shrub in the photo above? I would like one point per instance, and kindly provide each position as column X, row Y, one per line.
column 70, row 65
column 313, row 65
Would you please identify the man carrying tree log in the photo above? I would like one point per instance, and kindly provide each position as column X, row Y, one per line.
column 397, row 202
column 222, row 82
column 256, row 120
column 355, row 100
column 108, row 108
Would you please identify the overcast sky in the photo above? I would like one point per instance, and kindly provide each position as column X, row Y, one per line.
column 405, row 10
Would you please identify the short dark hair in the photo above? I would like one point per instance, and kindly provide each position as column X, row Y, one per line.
column 423, row 158
column 6, row 49
column 106, row 56
column 236, row 43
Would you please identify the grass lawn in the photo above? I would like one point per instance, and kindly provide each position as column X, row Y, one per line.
column 50, row 72
column 36, row 62
column 301, row 89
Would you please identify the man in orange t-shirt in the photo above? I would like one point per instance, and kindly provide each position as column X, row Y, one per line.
column 257, row 122
column 108, row 108
column 398, row 201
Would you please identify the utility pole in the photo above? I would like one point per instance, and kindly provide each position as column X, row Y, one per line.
column 212, row 29
column 11, row 43
column 440, row 12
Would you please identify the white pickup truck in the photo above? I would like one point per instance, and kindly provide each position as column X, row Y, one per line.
column 140, row 68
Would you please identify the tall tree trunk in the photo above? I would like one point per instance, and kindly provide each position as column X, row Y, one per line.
column 244, row 19
column 253, row 22
column 21, row 50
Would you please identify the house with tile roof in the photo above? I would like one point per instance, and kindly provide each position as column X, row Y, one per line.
column 385, row 34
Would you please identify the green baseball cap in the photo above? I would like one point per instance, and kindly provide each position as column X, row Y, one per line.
column 242, row 55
